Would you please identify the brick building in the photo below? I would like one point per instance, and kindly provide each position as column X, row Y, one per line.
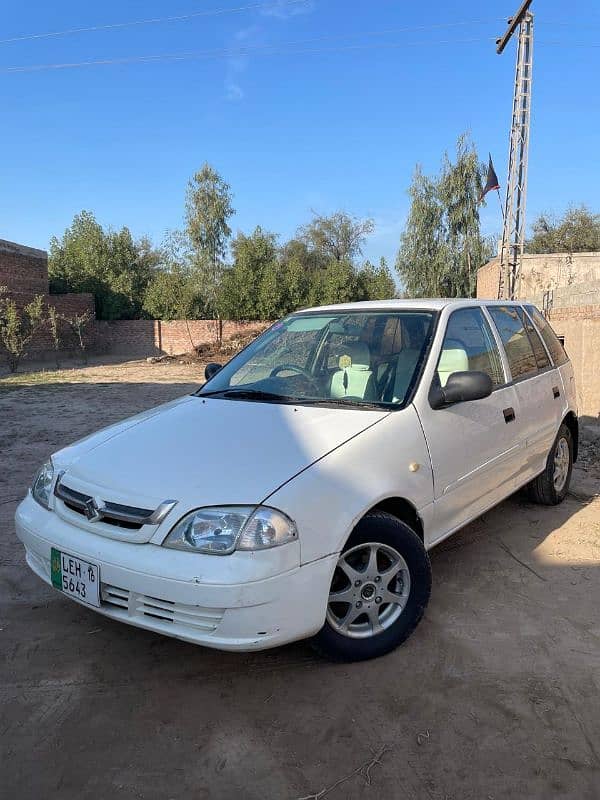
column 24, row 272
column 566, row 286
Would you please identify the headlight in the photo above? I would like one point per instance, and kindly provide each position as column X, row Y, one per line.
column 42, row 484
column 222, row 530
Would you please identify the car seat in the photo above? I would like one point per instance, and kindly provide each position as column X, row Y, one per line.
column 354, row 377
column 453, row 358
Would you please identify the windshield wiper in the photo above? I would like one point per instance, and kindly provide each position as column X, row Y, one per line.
column 340, row 401
column 271, row 397
column 249, row 394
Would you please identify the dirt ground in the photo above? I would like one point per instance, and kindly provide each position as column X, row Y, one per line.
column 496, row 695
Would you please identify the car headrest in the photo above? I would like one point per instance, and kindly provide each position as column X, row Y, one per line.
column 453, row 358
column 359, row 355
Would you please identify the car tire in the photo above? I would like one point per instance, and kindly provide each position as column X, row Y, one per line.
column 551, row 487
column 383, row 560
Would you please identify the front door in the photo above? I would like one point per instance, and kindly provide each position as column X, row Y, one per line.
column 475, row 446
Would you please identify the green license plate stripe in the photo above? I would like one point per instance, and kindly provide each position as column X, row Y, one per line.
column 56, row 569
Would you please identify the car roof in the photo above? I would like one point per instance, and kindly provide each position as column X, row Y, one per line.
column 421, row 304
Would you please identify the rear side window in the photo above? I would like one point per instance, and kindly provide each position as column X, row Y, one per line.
column 470, row 345
column 541, row 356
column 517, row 344
column 555, row 348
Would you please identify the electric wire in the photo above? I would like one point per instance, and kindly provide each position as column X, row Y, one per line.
column 289, row 48
column 154, row 20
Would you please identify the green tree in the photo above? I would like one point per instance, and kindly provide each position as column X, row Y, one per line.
column 339, row 236
column 460, row 186
column 296, row 283
column 110, row 264
column 338, row 284
column 422, row 257
column 303, row 255
column 577, row 231
column 173, row 292
column 55, row 326
column 77, row 323
column 242, row 294
column 18, row 326
column 375, row 283
column 208, row 210
column 441, row 247
column 172, row 295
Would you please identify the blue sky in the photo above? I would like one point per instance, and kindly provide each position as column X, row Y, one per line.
column 336, row 121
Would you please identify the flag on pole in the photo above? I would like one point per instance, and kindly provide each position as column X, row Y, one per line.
column 492, row 180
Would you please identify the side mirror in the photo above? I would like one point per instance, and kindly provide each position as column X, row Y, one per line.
column 460, row 388
column 211, row 369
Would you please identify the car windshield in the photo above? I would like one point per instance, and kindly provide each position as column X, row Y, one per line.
column 357, row 358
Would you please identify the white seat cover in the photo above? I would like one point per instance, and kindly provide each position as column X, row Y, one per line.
column 454, row 358
column 353, row 379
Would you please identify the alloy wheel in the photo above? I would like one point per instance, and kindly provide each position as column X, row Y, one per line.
column 562, row 461
column 369, row 590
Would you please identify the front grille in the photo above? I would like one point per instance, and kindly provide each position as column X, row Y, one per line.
column 180, row 614
column 117, row 514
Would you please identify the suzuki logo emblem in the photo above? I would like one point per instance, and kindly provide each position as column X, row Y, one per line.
column 92, row 510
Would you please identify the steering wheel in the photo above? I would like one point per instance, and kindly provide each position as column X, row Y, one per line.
column 294, row 368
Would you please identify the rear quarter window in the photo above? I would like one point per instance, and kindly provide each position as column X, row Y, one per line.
column 517, row 344
column 555, row 348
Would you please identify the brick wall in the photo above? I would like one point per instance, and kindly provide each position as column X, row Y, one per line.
column 23, row 269
column 581, row 328
column 487, row 280
column 41, row 346
column 146, row 337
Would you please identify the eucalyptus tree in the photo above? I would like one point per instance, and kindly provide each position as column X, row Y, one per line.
column 422, row 258
column 208, row 211
column 441, row 247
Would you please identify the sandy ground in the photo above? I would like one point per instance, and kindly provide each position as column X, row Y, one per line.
column 496, row 695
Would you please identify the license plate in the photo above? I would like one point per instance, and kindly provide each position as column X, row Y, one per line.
column 75, row 577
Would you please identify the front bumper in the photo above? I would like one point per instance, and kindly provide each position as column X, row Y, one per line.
column 243, row 601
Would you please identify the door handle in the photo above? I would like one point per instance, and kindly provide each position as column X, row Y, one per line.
column 509, row 414
column 555, row 392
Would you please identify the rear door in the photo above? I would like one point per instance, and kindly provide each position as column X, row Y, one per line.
column 475, row 447
column 560, row 361
column 536, row 383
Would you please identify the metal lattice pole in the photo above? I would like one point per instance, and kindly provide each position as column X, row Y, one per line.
column 513, row 235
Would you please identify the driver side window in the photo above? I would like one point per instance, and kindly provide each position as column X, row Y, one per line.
column 470, row 345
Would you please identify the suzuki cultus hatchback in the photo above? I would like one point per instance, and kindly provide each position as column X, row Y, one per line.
column 296, row 494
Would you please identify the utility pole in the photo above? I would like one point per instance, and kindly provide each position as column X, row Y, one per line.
column 513, row 234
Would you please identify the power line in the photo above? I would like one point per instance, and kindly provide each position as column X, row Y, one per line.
column 152, row 21
column 285, row 49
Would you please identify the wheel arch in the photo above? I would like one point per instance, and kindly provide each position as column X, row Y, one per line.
column 403, row 510
column 572, row 424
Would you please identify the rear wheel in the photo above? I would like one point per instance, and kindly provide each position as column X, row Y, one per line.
column 552, row 486
column 379, row 591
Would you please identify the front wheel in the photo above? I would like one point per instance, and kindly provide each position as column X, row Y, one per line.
column 551, row 487
column 379, row 591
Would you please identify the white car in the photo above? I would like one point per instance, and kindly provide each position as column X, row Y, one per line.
column 296, row 494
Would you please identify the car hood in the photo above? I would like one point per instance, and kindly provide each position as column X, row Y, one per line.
column 207, row 451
